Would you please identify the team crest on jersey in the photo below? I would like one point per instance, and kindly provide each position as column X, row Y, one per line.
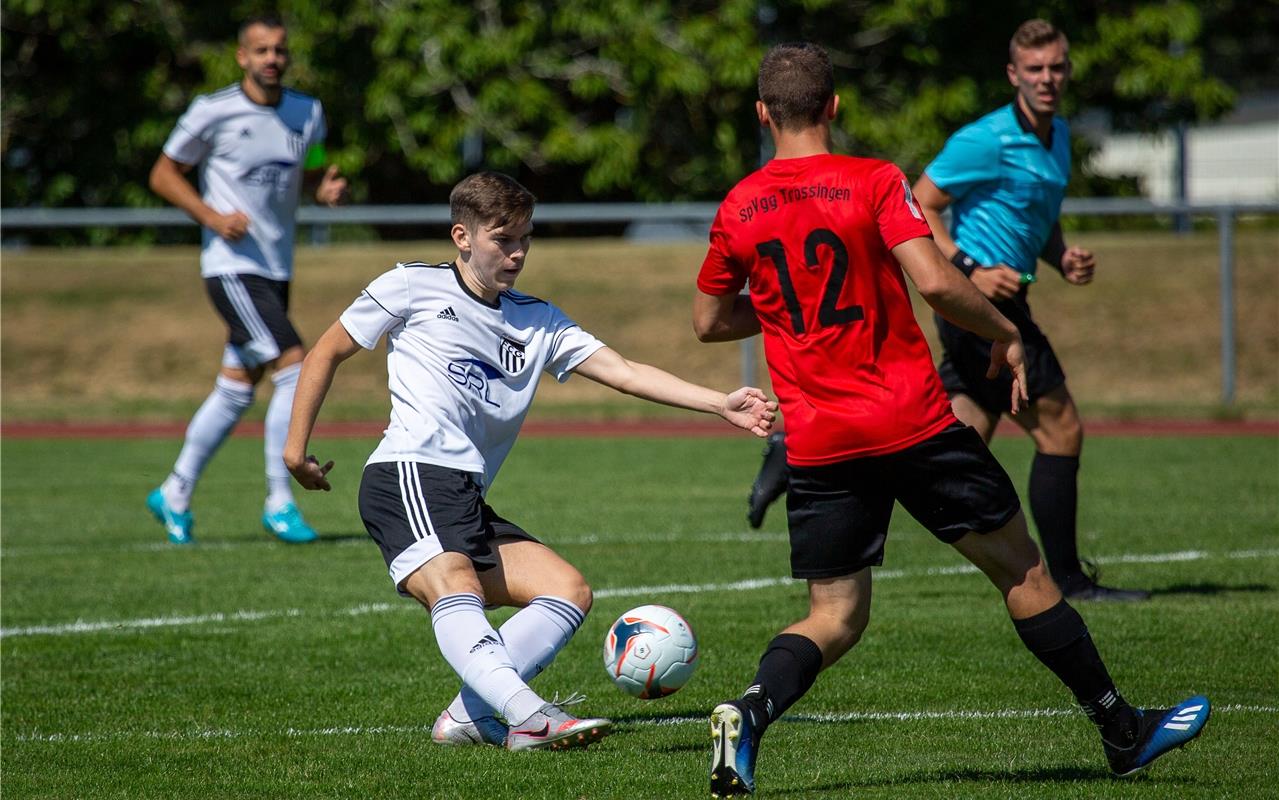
column 910, row 201
column 512, row 354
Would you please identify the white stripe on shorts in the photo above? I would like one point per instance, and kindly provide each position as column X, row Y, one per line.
column 414, row 501
column 243, row 303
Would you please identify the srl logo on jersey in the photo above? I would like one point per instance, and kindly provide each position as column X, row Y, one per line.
column 512, row 354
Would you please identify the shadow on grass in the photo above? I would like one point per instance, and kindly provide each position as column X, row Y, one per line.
column 1026, row 776
column 1211, row 588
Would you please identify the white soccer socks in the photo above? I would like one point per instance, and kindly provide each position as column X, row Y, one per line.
column 476, row 653
column 533, row 637
column 207, row 430
column 279, row 491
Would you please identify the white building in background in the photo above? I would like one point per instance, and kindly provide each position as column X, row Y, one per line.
column 1235, row 158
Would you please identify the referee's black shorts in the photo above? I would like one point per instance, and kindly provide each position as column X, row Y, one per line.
column 966, row 357
column 838, row 514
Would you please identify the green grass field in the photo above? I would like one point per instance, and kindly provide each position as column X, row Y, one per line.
column 244, row 668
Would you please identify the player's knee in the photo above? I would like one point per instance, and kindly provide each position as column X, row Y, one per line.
column 1071, row 433
column 576, row 591
column 584, row 598
column 847, row 623
column 291, row 356
column 850, row 633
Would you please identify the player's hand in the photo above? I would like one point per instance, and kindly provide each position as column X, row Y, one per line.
column 1012, row 355
column 310, row 474
column 750, row 409
column 1077, row 265
column 999, row 282
column 332, row 189
column 231, row 227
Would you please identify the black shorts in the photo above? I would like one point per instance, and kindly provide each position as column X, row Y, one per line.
column 838, row 513
column 966, row 357
column 256, row 312
column 416, row 511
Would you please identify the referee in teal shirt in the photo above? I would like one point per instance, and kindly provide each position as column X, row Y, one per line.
column 1003, row 178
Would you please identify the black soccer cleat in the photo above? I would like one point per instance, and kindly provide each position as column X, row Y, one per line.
column 771, row 481
column 1159, row 730
column 1083, row 586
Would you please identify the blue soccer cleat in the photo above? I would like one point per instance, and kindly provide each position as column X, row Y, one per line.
column 1158, row 731
column 733, row 759
column 287, row 525
column 178, row 525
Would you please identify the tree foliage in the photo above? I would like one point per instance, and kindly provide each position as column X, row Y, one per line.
column 582, row 99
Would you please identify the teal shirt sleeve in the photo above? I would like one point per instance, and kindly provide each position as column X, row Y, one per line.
column 970, row 157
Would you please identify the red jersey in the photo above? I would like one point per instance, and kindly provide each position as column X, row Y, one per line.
column 850, row 366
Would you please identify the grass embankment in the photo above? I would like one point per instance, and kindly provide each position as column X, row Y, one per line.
column 129, row 335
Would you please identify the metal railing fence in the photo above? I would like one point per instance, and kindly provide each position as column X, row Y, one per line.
column 691, row 215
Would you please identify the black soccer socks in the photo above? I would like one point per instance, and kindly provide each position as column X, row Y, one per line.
column 1054, row 498
column 786, row 671
column 1059, row 638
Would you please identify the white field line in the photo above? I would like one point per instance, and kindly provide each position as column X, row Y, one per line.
column 83, row 626
column 417, row 730
column 584, row 540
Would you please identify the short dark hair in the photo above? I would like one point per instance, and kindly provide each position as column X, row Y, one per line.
column 272, row 21
column 490, row 199
column 1032, row 34
column 795, row 83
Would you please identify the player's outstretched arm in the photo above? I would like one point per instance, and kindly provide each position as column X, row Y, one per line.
column 318, row 369
column 958, row 300
column 724, row 318
column 748, row 408
column 168, row 179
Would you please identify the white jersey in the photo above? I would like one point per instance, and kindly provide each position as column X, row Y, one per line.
column 251, row 160
column 462, row 371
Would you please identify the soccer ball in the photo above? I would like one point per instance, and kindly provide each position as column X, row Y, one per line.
column 650, row 652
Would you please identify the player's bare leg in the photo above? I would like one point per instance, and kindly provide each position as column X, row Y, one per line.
column 1053, row 422
column 1010, row 559
column 838, row 613
column 968, row 411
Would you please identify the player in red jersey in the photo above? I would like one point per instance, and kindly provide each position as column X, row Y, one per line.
column 823, row 240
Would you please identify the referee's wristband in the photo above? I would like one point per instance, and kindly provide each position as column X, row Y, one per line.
column 965, row 262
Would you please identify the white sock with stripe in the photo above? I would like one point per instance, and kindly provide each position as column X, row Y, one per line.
column 210, row 426
column 279, row 489
column 476, row 653
column 533, row 637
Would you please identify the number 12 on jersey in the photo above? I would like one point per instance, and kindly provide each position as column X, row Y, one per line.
column 828, row 313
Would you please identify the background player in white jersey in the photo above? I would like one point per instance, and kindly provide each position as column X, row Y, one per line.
column 253, row 142
column 464, row 355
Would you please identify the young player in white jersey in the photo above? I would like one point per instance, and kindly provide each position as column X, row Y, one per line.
column 253, row 142
column 464, row 355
